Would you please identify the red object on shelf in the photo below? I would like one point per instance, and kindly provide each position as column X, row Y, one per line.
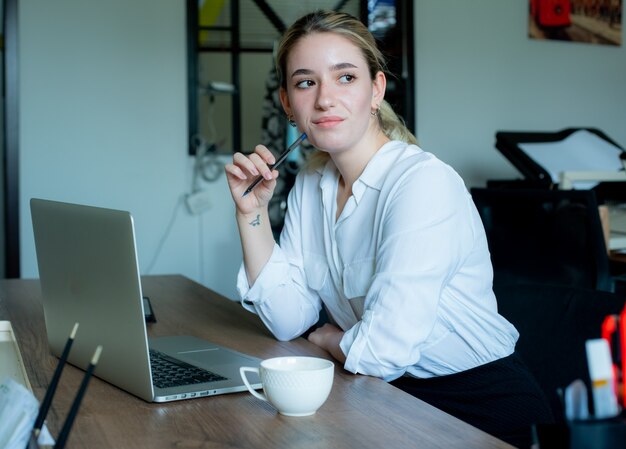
column 551, row 13
column 614, row 332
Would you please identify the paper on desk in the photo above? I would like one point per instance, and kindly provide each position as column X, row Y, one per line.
column 11, row 363
column 580, row 151
column 18, row 411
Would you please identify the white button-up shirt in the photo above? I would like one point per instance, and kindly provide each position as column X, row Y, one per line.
column 404, row 271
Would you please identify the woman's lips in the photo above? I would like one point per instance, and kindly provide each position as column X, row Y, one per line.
column 327, row 122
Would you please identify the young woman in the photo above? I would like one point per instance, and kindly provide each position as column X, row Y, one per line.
column 381, row 234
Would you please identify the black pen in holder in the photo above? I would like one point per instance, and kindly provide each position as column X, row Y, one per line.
column 67, row 426
column 45, row 404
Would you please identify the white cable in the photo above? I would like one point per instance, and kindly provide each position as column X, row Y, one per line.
column 166, row 234
column 206, row 165
column 201, row 247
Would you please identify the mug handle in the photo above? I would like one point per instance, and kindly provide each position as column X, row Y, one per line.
column 250, row 369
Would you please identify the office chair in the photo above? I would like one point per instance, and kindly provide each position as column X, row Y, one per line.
column 545, row 236
column 554, row 321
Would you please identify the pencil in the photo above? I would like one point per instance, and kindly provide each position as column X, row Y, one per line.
column 279, row 161
column 67, row 425
column 45, row 405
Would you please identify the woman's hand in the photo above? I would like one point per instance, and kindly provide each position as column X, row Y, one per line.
column 328, row 337
column 243, row 171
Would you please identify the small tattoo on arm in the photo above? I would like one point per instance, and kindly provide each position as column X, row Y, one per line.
column 256, row 221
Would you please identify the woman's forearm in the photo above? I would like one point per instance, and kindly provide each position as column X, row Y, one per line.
column 329, row 337
column 257, row 241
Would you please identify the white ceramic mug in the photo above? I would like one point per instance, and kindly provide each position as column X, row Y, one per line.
column 296, row 386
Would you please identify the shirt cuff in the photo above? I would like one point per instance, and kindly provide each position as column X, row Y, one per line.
column 359, row 357
column 269, row 278
column 353, row 354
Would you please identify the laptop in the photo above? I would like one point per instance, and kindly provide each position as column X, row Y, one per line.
column 89, row 275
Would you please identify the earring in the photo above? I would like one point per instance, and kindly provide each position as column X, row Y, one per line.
column 291, row 121
column 375, row 112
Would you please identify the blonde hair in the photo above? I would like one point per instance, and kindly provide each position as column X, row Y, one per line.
column 352, row 29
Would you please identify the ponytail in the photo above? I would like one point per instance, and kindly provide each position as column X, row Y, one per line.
column 392, row 125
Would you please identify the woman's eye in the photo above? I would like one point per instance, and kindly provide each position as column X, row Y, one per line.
column 304, row 84
column 347, row 78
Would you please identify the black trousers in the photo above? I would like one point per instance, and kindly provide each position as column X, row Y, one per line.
column 501, row 398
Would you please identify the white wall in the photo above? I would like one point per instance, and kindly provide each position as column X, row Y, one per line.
column 103, row 111
column 478, row 72
column 103, row 119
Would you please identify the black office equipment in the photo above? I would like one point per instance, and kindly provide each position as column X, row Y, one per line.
column 545, row 236
column 510, row 144
column 148, row 311
column 554, row 322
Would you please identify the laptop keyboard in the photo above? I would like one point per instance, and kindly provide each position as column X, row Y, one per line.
column 169, row 372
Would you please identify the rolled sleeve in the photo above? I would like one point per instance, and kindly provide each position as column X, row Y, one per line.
column 267, row 281
column 360, row 356
column 279, row 297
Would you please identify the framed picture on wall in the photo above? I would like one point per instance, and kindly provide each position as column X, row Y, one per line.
column 588, row 21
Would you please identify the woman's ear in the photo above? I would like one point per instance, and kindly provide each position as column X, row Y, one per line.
column 284, row 100
column 379, row 86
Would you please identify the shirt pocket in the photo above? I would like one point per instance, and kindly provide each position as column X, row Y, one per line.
column 316, row 271
column 357, row 278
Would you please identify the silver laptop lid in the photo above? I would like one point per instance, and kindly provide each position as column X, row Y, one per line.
column 89, row 274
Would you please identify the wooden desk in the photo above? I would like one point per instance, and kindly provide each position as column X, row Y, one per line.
column 361, row 412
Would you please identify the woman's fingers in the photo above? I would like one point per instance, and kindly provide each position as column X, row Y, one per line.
column 245, row 163
column 265, row 154
column 255, row 164
column 234, row 170
column 262, row 158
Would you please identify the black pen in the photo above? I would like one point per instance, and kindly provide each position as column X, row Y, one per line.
column 67, row 426
column 279, row 161
column 45, row 405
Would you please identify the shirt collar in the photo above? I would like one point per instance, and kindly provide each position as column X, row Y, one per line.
column 375, row 171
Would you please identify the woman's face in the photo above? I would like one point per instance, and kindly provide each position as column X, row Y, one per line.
column 330, row 92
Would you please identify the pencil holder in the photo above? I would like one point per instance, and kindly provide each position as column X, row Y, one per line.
column 607, row 433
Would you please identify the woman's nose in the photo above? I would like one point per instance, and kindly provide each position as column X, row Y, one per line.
column 324, row 98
